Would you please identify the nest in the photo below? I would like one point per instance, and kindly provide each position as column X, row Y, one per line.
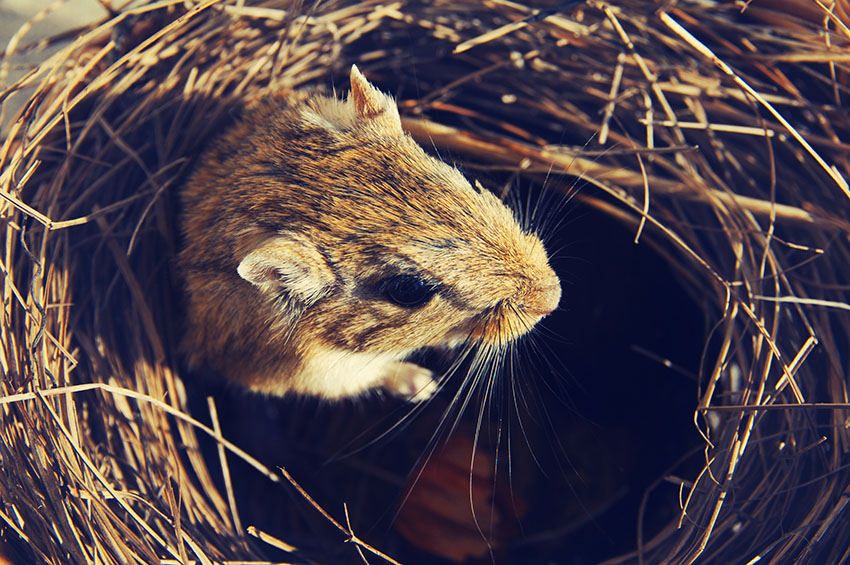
column 715, row 133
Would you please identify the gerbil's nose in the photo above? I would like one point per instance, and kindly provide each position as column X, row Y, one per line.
column 547, row 297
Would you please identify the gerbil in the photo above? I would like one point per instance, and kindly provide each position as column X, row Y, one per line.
column 322, row 246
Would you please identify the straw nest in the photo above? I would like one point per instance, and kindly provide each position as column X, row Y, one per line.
column 715, row 131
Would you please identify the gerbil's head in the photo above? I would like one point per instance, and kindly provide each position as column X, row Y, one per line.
column 388, row 249
column 351, row 238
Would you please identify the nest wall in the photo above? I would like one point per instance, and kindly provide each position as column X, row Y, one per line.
column 716, row 135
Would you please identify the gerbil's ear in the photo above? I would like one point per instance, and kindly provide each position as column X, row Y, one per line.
column 290, row 263
column 371, row 104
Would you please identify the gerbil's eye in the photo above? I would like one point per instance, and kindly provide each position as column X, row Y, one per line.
column 407, row 290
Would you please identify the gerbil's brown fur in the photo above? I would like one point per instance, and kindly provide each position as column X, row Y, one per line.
column 296, row 219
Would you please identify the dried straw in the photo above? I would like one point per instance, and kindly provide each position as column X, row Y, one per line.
column 720, row 137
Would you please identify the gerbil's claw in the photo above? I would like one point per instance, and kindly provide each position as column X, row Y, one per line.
column 411, row 382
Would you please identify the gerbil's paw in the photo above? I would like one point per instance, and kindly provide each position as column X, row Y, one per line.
column 411, row 382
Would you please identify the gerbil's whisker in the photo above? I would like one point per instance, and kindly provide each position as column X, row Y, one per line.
column 548, row 426
column 518, row 396
column 539, row 201
column 453, row 412
column 408, row 412
column 486, row 393
column 509, row 372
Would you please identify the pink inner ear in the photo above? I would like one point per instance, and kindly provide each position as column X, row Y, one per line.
column 368, row 100
column 267, row 273
column 261, row 271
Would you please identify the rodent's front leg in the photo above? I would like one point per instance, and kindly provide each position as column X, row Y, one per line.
column 409, row 381
column 334, row 373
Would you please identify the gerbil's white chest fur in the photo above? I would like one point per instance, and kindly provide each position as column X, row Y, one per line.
column 322, row 246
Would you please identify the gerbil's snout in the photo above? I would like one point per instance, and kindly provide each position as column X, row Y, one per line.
column 542, row 294
column 546, row 297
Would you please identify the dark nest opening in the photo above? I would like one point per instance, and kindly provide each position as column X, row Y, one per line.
column 687, row 403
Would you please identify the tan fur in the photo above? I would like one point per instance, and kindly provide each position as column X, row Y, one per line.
column 296, row 214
